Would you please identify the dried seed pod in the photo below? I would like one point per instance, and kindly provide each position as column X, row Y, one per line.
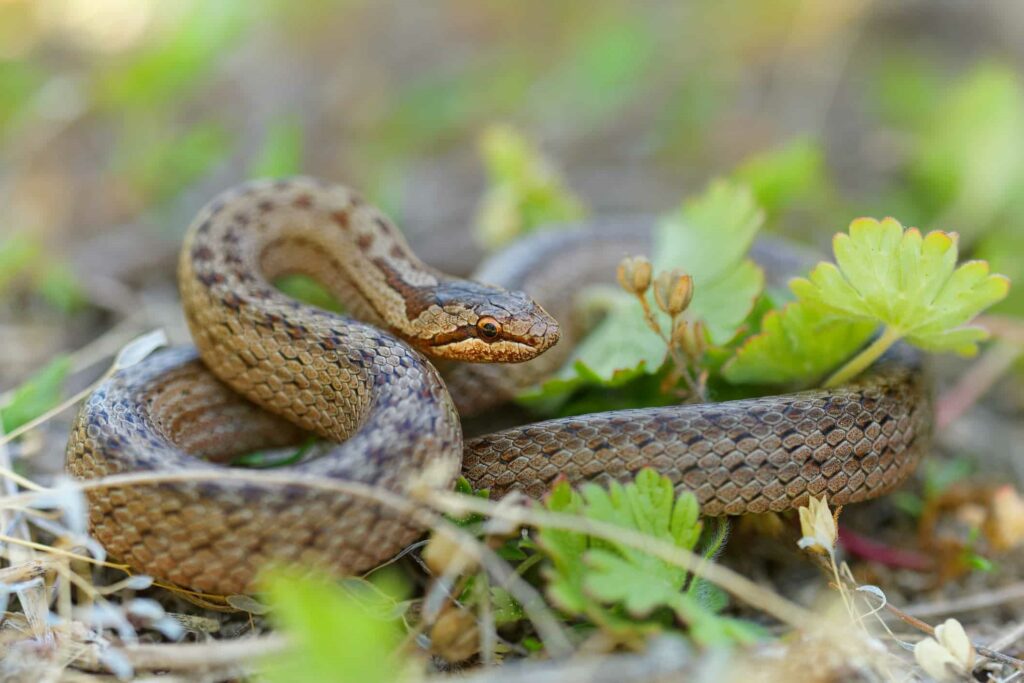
column 680, row 327
column 634, row 274
column 673, row 291
column 455, row 635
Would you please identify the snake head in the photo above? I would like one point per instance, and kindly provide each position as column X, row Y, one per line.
column 490, row 325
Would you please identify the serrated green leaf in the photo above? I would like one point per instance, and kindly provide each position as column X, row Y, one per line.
column 905, row 282
column 621, row 589
column 334, row 636
column 613, row 578
column 565, row 550
column 37, row 395
column 799, row 344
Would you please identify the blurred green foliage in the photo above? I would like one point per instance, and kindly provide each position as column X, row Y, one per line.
column 524, row 192
column 37, row 395
column 159, row 163
column 1004, row 250
column 969, row 159
column 281, row 154
column 23, row 257
column 792, row 174
column 603, row 69
column 17, row 254
column 168, row 66
column 335, row 634
column 18, row 81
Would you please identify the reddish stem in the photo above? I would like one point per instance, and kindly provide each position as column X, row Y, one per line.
column 875, row 551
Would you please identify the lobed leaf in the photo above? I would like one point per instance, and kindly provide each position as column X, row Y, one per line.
column 797, row 344
column 904, row 281
column 607, row 582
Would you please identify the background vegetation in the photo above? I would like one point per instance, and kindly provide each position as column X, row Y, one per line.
column 119, row 118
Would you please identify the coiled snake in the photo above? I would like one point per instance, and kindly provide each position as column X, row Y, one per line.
column 272, row 367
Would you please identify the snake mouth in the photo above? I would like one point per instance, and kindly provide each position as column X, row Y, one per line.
column 464, row 344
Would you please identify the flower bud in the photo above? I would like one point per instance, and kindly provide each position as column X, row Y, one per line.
column 634, row 274
column 673, row 291
column 818, row 526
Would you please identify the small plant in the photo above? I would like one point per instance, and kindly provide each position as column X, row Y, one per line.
column 896, row 281
column 673, row 292
column 625, row 591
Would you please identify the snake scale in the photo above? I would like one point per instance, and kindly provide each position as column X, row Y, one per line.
column 267, row 369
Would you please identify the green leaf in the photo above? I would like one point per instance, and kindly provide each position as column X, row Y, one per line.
column 335, row 635
column 308, row 290
column 37, row 395
column 506, row 609
column 619, row 588
column 907, row 282
column 281, row 154
column 799, row 344
column 261, row 460
column 524, row 191
column 565, row 551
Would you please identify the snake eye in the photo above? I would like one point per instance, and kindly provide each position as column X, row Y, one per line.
column 489, row 328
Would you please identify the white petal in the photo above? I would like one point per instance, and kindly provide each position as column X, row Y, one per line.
column 951, row 635
column 936, row 660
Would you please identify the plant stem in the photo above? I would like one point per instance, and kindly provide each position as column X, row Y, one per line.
column 864, row 359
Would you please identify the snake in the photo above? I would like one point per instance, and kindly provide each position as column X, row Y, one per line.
column 265, row 370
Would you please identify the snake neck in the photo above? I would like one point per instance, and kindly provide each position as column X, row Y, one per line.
column 245, row 239
column 249, row 237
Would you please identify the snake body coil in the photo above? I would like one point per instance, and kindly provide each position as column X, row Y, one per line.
column 272, row 367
